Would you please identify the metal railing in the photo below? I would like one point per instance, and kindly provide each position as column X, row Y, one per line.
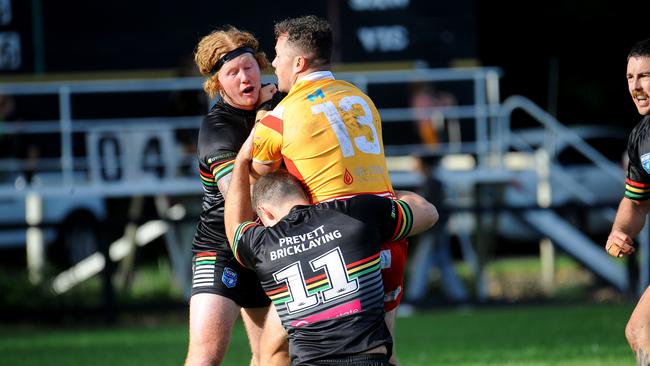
column 482, row 110
column 491, row 121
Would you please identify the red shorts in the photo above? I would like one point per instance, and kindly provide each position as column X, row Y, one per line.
column 393, row 263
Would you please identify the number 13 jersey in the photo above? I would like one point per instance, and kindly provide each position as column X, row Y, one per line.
column 328, row 134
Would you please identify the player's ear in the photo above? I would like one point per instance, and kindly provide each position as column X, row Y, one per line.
column 299, row 64
column 265, row 215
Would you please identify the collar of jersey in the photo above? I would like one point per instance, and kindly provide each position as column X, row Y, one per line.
column 316, row 75
column 232, row 109
column 295, row 211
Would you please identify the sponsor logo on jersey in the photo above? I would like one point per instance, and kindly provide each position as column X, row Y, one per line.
column 347, row 308
column 229, row 277
column 347, row 177
column 372, row 173
column 645, row 162
column 393, row 295
column 317, row 94
column 386, row 259
column 222, row 156
column 292, row 245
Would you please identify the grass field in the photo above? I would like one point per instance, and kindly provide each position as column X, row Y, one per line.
column 542, row 335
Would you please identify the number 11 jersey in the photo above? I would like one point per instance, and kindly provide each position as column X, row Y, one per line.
column 328, row 134
column 320, row 265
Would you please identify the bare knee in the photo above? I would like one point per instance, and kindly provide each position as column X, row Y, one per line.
column 201, row 356
column 276, row 354
column 274, row 348
column 253, row 323
column 206, row 350
column 638, row 334
column 630, row 334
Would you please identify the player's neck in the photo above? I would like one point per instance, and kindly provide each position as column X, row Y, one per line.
column 291, row 202
column 312, row 70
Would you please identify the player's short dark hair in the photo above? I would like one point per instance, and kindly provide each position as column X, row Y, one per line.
column 309, row 33
column 275, row 187
column 640, row 49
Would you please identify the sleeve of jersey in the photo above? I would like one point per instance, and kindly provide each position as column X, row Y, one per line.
column 222, row 167
column 244, row 241
column 402, row 218
column 217, row 148
column 637, row 182
column 267, row 140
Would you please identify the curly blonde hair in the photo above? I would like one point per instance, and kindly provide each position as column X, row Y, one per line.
column 216, row 44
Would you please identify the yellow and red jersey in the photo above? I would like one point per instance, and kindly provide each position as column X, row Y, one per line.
column 328, row 134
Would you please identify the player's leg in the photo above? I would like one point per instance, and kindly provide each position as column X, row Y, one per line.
column 254, row 319
column 393, row 263
column 642, row 358
column 390, row 318
column 274, row 347
column 255, row 307
column 211, row 320
column 637, row 330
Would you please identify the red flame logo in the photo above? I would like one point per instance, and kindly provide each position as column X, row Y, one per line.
column 347, row 177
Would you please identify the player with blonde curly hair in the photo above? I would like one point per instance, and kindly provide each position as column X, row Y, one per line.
column 221, row 288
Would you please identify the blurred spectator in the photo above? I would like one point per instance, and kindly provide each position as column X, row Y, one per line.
column 7, row 114
column 430, row 123
column 433, row 248
column 7, row 108
column 187, row 103
column 16, row 144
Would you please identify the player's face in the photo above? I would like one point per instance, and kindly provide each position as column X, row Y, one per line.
column 240, row 81
column 283, row 64
column 638, row 82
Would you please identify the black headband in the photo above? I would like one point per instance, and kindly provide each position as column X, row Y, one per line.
column 229, row 56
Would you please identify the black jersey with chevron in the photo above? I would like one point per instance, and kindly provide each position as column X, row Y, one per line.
column 222, row 134
column 320, row 265
column 637, row 184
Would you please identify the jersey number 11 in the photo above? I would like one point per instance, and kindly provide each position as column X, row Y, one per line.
column 339, row 282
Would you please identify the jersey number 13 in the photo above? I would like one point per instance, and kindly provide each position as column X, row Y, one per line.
column 346, row 104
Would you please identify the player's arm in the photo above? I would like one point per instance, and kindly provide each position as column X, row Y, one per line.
column 267, row 91
column 629, row 221
column 223, row 184
column 424, row 213
column 268, row 99
column 409, row 214
column 258, row 169
column 267, row 145
column 217, row 150
column 634, row 206
column 238, row 208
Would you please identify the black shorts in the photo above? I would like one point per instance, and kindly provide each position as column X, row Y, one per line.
column 369, row 359
column 218, row 272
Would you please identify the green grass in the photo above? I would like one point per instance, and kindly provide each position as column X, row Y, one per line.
column 557, row 335
column 545, row 335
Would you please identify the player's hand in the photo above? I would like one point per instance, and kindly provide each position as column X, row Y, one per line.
column 619, row 244
column 261, row 113
column 266, row 93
